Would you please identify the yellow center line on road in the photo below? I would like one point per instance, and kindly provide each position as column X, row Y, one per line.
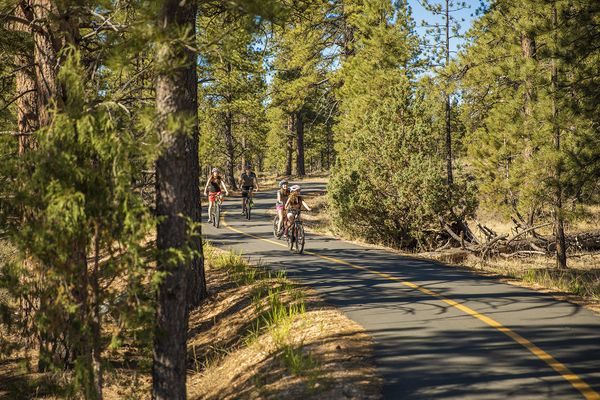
column 586, row 390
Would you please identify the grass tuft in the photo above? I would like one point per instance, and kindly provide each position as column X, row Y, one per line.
column 278, row 303
column 297, row 361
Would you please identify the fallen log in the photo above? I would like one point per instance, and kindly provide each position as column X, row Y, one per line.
column 588, row 241
column 533, row 228
column 489, row 245
column 521, row 252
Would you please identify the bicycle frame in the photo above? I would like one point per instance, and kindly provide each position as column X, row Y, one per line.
column 293, row 232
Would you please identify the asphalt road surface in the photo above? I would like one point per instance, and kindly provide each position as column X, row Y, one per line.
column 439, row 332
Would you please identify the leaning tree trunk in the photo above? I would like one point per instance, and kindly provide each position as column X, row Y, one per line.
column 300, row 171
column 289, row 149
column 177, row 197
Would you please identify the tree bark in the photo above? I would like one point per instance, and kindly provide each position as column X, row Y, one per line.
column 55, row 347
column 27, row 117
column 559, row 224
column 447, row 109
column 82, row 333
column 46, row 82
column 96, row 318
column 329, row 145
column 529, row 50
column 448, row 134
column 290, row 145
column 300, row 170
column 229, row 150
column 243, row 140
column 177, row 198
column 49, row 92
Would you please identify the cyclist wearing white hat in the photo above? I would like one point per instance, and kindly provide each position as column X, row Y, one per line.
column 294, row 204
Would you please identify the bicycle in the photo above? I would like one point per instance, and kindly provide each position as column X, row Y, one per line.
column 216, row 211
column 248, row 204
column 295, row 237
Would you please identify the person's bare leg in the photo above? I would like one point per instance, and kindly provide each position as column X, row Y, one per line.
column 290, row 220
column 280, row 222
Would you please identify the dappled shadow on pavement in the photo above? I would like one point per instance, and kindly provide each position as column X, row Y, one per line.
column 426, row 348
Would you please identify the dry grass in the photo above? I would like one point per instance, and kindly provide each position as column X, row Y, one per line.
column 580, row 283
column 271, row 181
column 319, row 219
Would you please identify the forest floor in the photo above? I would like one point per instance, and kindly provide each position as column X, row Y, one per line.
column 579, row 284
column 258, row 336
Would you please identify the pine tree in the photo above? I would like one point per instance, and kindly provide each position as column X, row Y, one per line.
column 177, row 196
column 68, row 201
column 232, row 89
column 528, row 131
column 300, row 101
column 394, row 193
column 443, row 33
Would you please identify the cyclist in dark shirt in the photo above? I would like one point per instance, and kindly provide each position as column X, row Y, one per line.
column 249, row 183
column 213, row 185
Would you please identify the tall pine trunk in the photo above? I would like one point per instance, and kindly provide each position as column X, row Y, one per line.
column 300, row 170
column 529, row 50
column 329, row 145
column 229, row 150
column 559, row 222
column 448, row 135
column 53, row 350
column 46, row 46
column 177, row 198
column 96, row 317
column 289, row 148
column 27, row 116
column 447, row 108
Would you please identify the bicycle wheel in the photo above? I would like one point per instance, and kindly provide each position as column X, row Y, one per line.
column 217, row 216
column 248, row 208
column 275, row 224
column 299, row 239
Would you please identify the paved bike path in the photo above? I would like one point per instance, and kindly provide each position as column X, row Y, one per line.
column 439, row 332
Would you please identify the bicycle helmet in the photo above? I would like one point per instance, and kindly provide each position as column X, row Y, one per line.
column 283, row 182
column 295, row 188
column 214, row 170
